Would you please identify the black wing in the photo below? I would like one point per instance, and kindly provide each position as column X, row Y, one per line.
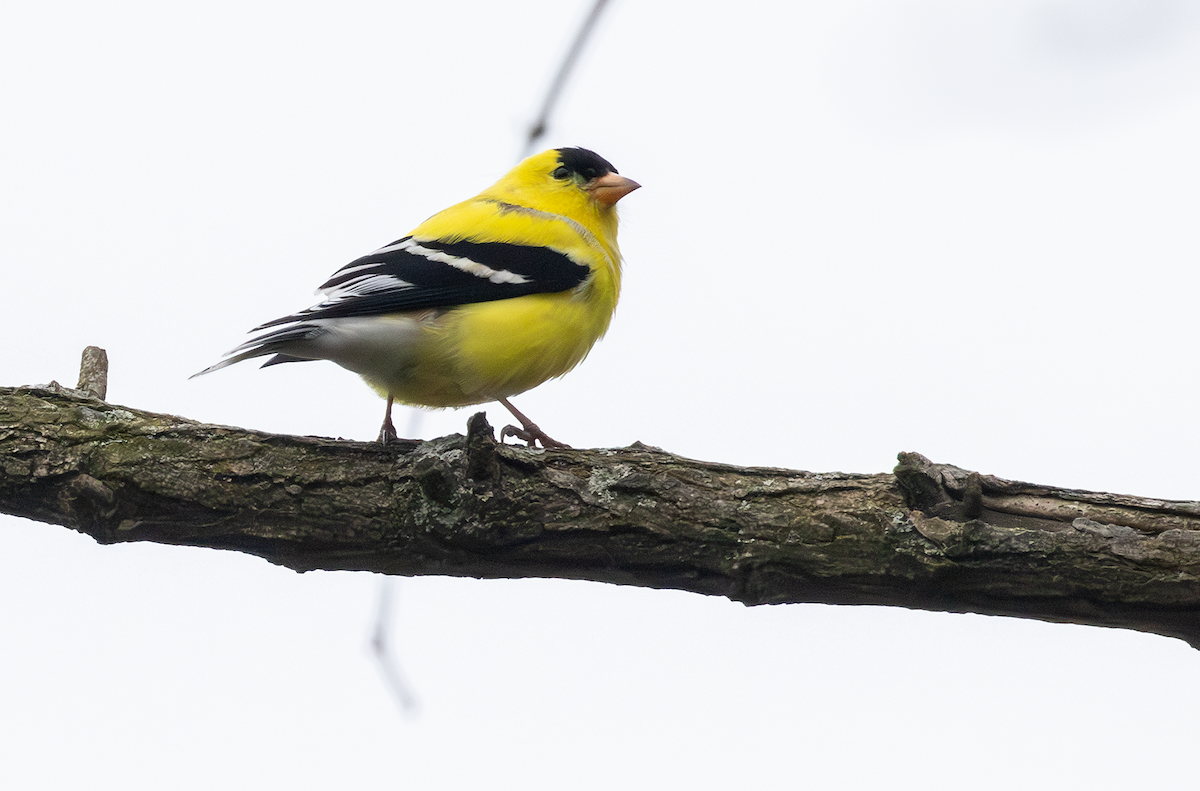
column 411, row 275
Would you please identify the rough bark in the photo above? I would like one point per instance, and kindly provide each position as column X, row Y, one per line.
column 927, row 536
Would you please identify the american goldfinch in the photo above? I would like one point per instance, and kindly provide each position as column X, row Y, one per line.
column 484, row 300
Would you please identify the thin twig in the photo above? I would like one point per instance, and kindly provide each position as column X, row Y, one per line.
column 538, row 130
column 382, row 649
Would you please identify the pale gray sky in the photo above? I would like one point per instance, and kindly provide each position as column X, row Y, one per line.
column 866, row 227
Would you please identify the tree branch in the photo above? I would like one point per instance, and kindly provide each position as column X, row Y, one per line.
column 929, row 536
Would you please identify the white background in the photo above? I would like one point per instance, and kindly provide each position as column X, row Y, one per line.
column 963, row 229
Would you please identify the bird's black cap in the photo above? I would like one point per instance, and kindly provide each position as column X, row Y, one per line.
column 586, row 163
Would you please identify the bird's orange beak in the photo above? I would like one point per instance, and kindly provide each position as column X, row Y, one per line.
column 610, row 188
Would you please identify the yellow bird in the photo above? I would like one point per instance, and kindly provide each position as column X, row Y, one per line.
column 482, row 301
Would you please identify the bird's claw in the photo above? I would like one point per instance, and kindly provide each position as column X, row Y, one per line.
column 387, row 433
column 532, row 435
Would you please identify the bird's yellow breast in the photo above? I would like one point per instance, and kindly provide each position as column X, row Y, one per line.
column 488, row 350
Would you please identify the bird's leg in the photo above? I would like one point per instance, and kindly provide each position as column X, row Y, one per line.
column 528, row 430
column 387, row 432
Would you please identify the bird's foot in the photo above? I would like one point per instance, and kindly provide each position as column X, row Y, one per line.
column 532, row 436
column 387, row 432
column 528, row 430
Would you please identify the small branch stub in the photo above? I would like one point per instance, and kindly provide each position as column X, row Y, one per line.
column 93, row 372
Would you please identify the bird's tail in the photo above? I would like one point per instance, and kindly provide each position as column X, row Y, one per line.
column 278, row 343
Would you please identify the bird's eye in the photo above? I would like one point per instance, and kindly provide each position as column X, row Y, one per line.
column 561, row 173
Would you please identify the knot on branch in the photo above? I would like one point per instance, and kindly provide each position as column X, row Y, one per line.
column 87, row 502
column 454, row 470
column 483, row 466
column 939, row 489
